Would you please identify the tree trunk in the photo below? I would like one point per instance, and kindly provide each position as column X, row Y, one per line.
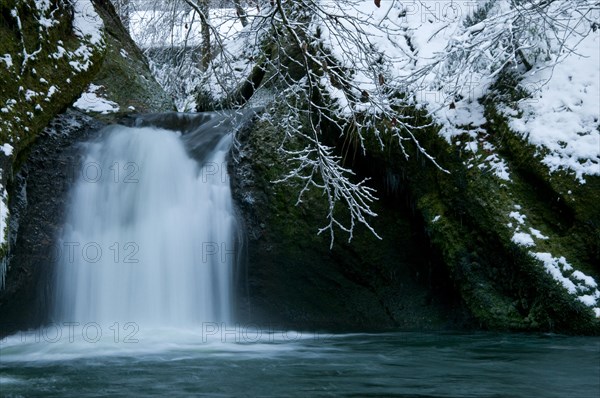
column 241, row 12
column 123, row 8
column 205, row 47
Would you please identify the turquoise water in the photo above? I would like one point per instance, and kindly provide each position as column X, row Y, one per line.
column 239, row 363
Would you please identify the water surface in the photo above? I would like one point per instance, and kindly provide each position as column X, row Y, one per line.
column 240, row 362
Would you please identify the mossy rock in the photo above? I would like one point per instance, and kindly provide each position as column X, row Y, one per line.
column 464, row 217
column 125, row 75
column 466, row 213
column 42, row 86
column 295, row 280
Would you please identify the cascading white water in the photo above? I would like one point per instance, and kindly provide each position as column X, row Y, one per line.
column 149, row 234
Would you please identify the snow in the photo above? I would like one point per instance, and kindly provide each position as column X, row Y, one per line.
column 91, row 101
column 7, row 59
column 562, row 117
column 163, row 28
column 590, row 300
column 29, row 94
column 44, row 7
column 587, row 280
column 578, row 284
column 87, row 24
column 537, row 234
column 552, row 266
column 51, row 91
column 497, row 166
column 7, row 149
column 523, row 239
column 583, row 286
column 60, row 52
column 183, row 28
column 518, row 216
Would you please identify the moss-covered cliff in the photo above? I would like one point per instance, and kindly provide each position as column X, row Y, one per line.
column 293, row 279
column 448, row 257
column 48, row 53
column 506, row 243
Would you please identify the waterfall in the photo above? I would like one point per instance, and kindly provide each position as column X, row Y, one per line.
column 149, row 234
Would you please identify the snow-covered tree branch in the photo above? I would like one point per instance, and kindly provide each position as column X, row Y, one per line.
column 356, row 67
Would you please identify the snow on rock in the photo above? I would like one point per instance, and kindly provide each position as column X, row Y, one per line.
column 7, row 149
column 51, row 91
column 31, row 86
column 537, row 234
column 562, row 116
column 518, row 216
column 497, row 166
column 91, row 101
column 577, row 283
column 523, row 239
column 87, row 25
column 574, row 281
column 7, row 59
column 425, row 47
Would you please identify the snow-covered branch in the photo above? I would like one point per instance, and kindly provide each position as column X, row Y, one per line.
column 361, row 67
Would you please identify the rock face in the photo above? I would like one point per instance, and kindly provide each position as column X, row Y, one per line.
column 448, row 257
column 292, row 279
column 44, row 162
column 473, row 220
column 38, row 196
column 124, row 77
column 43, row 68
column 514, row 250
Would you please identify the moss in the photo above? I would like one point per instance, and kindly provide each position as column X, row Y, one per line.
column 499, row 282
column 124, row 74
column 363, row 284
column 37, row 87
column 561, row 204
column 502, row 285
column 26, row 117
